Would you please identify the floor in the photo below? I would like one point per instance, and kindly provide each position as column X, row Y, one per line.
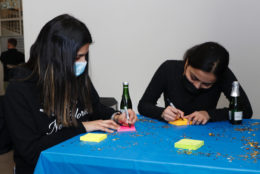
column 7, row 163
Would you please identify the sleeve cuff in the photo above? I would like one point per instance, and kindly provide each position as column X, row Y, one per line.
column 81, row 129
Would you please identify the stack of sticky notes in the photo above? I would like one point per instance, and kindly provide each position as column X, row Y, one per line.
column 189, row 144
column 93, row 137
column 180, row 122
column 127, row 129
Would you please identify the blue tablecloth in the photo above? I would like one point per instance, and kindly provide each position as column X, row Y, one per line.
column 228, row 149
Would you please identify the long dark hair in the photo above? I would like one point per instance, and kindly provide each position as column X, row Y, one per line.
column 52, row 58
column 208, row 57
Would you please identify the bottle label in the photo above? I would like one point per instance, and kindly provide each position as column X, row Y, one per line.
column 238, row 115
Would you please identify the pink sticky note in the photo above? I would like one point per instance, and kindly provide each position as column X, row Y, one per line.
column 127, row 129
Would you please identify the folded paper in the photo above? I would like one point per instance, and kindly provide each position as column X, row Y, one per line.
column 93, row 137
column 180, row 122
column 189, row 144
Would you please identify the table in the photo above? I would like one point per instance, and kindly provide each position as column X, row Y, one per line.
column 228, row 149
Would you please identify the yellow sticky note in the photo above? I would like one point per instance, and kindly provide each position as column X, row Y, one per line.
column 92, row 137
column 180, row 122
column 189, row 144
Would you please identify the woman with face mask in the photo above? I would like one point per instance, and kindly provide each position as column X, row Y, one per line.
column 52, row 98
column 194, row 86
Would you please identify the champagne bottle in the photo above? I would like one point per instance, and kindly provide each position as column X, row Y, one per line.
column 126, row 100
column 235, row 108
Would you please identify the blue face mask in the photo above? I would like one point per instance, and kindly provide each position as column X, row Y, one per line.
column 79, row 67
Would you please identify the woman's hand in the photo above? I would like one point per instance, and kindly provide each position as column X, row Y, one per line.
column 122, row 119
column 100, row 125
column 198, row 117
column 170, row 114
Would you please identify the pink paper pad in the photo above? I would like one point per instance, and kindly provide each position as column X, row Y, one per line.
column 127, row 129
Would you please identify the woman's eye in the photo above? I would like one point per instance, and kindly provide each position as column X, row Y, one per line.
column 80, row 56
column 193, row 78
column 207, row 84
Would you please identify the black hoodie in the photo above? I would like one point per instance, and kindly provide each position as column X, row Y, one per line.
column 31, row 130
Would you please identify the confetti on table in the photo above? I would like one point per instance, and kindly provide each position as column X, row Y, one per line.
column 127, row 128
column 93, row 137
column 189, row 144
column 180, row 122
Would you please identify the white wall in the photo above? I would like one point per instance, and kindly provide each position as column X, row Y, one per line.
column 133, row 37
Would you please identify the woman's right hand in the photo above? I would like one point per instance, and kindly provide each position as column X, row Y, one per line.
column 100, row 125
column 170, row 114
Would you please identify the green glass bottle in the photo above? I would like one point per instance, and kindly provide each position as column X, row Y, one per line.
column 235, row 107
column 126, row 100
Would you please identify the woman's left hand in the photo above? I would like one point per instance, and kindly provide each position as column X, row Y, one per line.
column 198, row 117
column 122, row 119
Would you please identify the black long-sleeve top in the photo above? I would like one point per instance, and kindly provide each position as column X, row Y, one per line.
column 31, row 130
column 168, row 80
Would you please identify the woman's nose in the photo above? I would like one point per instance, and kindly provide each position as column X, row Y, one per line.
column 197, row 84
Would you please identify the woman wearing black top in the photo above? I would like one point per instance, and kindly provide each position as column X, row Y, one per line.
column 52, row 98
column 194, row 86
